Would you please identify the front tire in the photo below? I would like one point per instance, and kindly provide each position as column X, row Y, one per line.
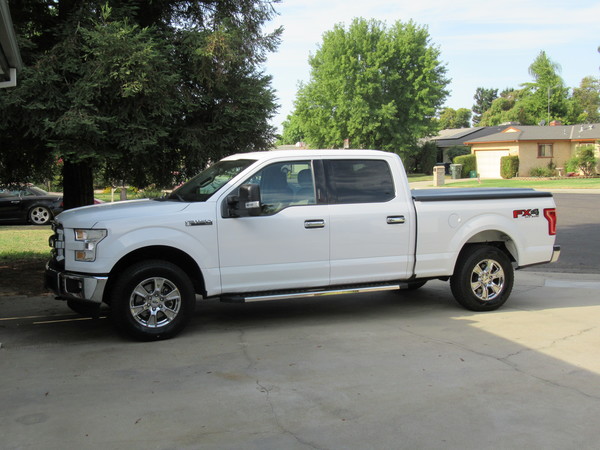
column 483, row 278
column 152, row 300
column 39, row 215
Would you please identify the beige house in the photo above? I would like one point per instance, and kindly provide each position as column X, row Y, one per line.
column 536, row 146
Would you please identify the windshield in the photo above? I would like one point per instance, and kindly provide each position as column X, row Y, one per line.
column 204, row 185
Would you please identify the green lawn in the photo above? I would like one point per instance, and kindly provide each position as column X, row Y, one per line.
column 541, row 183
column 563, row 183
column 19, row 243
column 419, row 177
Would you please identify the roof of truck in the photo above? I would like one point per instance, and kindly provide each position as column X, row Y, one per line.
column 269, row 154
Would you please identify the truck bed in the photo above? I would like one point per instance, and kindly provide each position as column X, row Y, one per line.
column 453, row 194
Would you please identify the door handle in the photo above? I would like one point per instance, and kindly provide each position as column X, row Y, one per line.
column 14, row 202
column 391, row 220
column 317, row 223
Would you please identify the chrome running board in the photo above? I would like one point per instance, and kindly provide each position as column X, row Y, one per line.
column 263, row 296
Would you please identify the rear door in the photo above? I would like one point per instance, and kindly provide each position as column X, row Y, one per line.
column 370, row 233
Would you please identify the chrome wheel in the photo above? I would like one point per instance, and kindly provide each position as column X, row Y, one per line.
column 155, row 302
column 487, row 280
column 483, row 277
column 39, row 215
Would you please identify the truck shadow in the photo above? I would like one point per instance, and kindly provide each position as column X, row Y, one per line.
column 51, row 321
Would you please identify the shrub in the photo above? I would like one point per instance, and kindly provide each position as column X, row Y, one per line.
column 509, row 166
column 469, row 162
column 542, row 172
column 458, row 150
column 584, row 161
column 422, row 159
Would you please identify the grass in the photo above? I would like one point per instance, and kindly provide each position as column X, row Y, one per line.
column 24, row 251
column 24, row 242
column 535, row 183
column 563, row 183
column 419, row 177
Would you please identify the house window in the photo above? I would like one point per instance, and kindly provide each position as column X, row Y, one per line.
column 544, row 150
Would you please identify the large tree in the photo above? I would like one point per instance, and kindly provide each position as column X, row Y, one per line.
column 585, row 102
column 147, row 92
column 374, row 85
column 538, row 101
column 483, row 101
column 454, row 118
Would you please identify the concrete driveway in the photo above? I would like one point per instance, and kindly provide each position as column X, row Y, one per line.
column 372, row 371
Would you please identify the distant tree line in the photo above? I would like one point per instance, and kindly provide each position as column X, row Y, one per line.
column 541, row 100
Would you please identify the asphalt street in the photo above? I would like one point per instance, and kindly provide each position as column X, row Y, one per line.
column 409, row 370
column 578, row 233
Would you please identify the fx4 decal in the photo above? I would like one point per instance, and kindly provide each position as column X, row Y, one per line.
column 526, row 213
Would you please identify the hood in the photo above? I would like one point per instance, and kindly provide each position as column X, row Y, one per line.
column 88, row 216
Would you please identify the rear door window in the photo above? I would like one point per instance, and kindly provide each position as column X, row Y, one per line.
column 359, row 181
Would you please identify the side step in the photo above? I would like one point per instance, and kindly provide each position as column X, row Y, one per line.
column 279, row 295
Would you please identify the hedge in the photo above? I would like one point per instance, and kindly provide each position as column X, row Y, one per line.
column 469, row 163
column 509, row 166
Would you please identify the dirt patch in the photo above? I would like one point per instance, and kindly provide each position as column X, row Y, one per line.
column 23, row 277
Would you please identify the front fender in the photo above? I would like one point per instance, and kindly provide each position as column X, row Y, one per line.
column 201, row 246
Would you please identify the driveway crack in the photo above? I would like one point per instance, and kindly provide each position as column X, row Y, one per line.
column 267, row 392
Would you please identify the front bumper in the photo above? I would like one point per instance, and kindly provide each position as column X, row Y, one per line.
column 75, row 286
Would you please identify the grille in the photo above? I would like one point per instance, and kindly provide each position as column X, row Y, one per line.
column 57, row 243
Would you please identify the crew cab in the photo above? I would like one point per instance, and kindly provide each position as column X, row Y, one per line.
column 284, row 224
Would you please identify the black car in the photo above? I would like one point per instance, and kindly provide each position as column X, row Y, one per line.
column 20, row 204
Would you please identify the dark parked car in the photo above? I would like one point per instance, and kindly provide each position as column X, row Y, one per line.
column 20, row 204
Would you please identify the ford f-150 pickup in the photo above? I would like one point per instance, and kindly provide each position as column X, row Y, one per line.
column 284, row 224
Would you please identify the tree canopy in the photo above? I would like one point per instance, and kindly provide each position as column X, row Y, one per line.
column 454, row 118
column 538, row 101
column 585, row 104
column 135, row 91
column 483, row 101
column 376, row 86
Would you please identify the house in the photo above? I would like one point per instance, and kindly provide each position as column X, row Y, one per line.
column 453, row 137
column 10, row 57
column 536, row 146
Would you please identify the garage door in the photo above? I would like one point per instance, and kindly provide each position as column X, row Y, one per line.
column 488, row 162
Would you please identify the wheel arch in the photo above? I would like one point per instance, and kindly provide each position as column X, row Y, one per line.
column 496, row 238
column 493, row 230
column 158, row 252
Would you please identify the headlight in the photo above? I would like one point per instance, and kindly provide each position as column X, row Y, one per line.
column 89, row 240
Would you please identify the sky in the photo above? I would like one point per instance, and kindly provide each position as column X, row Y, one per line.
column 483, row 43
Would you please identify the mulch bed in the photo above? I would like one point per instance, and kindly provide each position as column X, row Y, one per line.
column 23, row 277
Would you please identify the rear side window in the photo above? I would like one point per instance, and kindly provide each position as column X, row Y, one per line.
column 359, row 181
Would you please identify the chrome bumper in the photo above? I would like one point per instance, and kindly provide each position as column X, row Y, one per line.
column 75, row 286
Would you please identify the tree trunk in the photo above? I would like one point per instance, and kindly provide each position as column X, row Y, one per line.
column 78, row 185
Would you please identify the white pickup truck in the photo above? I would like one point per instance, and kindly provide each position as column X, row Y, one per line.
column 282, row 224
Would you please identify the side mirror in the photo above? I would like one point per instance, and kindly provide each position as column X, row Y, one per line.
column 247, row 203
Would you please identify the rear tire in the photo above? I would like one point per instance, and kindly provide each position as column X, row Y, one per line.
column 483, row 278
column 152, row 300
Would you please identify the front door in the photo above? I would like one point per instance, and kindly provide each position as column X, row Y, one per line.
column 287, row 245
